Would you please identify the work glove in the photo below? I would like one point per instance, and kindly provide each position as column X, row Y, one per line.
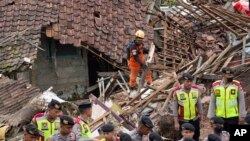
column 145, row 50
column 144, row 66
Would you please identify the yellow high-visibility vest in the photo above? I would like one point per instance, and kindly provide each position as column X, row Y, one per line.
column 86, row 132
column 47, row 127
column 187, row 103
column 226, row 99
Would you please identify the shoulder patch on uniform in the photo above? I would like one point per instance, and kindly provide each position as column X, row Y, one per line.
column 177, row 88
column 217, row 83
column 194, row 86
column 134, row 51
column 77, row 120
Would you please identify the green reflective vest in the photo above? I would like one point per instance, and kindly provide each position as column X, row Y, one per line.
column 47, row 127
column 187, row 109
column 226, row 99
column 86, row 132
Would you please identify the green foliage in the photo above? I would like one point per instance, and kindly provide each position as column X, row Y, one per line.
column 168, row 2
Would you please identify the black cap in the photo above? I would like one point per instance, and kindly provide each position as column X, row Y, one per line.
column 188, row 126
column 155, row 137
column 145, row 120
column 108, row 128
column 227, row 70
column 217, row 120
column 66, row 120
column 125, row 137
column 55, row 104
column 247, row 119
column 32, row 130
column 85, row 104
column 188, row 139
column 187, row 76
column 213, row 137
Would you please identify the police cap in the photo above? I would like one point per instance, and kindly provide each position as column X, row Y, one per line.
column 107, row 128
column 32, row 130
column 227, row 70
column 55, row 104
column 125, row 137
column 188, row 126
column 247, row 119
column 66, row 120
column 155, row 137
column 217, row 120
column 188, row 139
column 187, row 76
column 145, row 120
column 213, row 137
column 85, row 104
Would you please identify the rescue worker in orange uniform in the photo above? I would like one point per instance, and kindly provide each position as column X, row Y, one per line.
column 136, row 60
column 187, row 107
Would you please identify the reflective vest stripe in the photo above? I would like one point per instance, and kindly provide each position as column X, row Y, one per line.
column 86, row 132
column 226, row 100
column 47, row 127
column 187, row 103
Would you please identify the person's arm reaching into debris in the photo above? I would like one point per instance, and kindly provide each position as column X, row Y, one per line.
column 242, row 105
column 211, row 109
column 175, row 113
column 77, row 131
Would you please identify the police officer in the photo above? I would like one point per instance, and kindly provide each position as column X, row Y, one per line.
column 217, row 126
column 155, row 137
column 31, row 133
column 125, row 137
column 227, row 100
column 187, row 131
column 109, row 133
column 81, row 127
column 213, row 137
column 145, row 126
column 65, row 133
column 49, row 122
column 187, row 107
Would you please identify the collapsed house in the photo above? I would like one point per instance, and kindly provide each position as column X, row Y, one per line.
column 192, row 37
column 56, row 42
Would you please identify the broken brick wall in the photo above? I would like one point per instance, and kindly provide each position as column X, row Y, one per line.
column 68, row 74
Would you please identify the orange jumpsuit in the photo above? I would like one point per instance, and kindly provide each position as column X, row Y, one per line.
column 134, row 65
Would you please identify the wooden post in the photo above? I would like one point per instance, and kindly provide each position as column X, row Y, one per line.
column 117, row 117
column 244, row 51
column 198, row 66
column 124, row 82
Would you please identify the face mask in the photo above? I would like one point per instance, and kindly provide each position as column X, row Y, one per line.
column 138, row 42
column 230, row 79
column 218, row 129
